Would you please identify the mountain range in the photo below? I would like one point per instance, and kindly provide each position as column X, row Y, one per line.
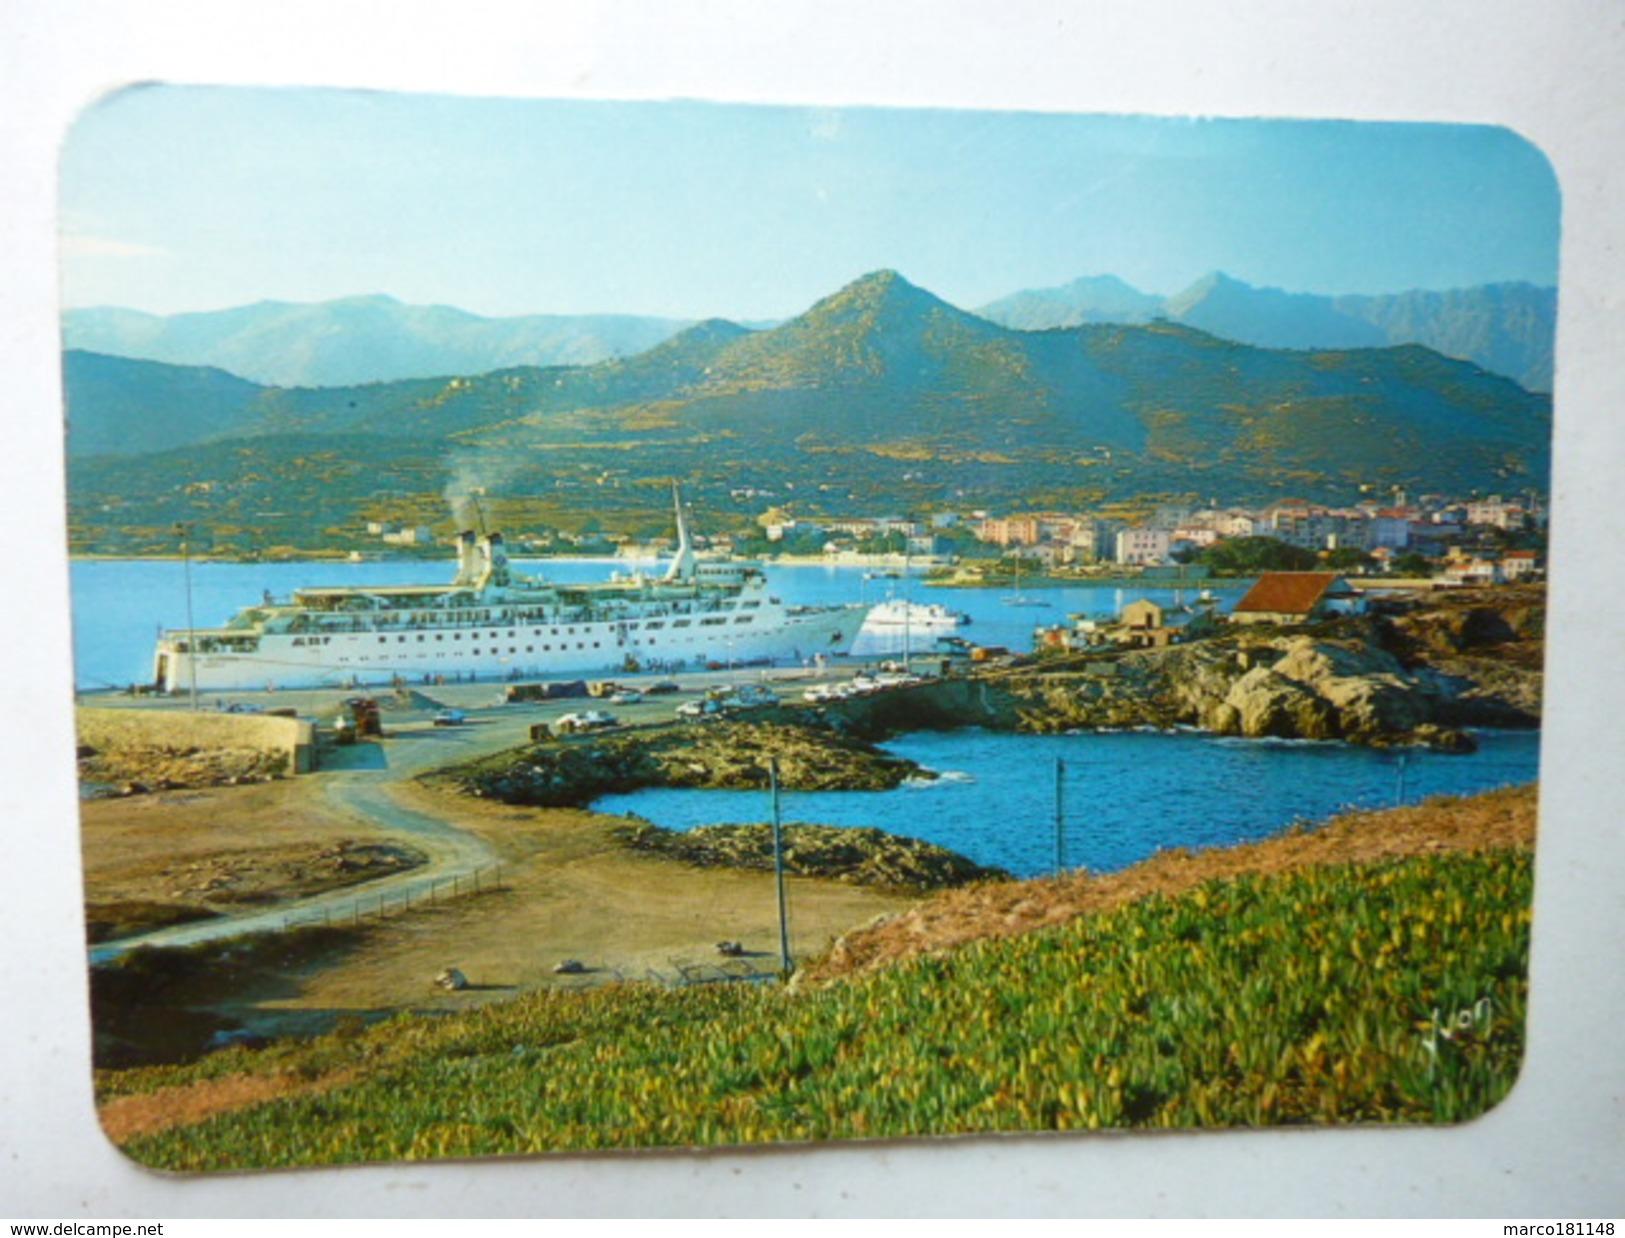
column 358, row 339
column 879, row 396
column 1507, row 328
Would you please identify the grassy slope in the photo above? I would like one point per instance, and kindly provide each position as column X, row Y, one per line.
column 1304, row 987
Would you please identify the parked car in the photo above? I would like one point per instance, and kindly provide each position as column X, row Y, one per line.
column 897, row 679
column 585, row 720
column 699, row 709
column 626, row 696
column 661, row 689
column 450, row 717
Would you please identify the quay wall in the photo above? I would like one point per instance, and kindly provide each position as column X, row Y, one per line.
column 112, row 730
column 940, row 704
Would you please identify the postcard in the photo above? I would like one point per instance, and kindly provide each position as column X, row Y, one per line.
column 623, row 625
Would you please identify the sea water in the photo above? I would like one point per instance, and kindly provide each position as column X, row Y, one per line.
column 1122, row 796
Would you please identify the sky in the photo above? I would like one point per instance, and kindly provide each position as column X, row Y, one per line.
column 178, row 199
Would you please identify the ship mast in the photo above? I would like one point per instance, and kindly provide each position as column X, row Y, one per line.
column 682, row 564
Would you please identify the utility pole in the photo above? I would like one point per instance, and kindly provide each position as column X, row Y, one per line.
column 908, row 614
column 785, row 963
column 185, row 533
column 1060, row 817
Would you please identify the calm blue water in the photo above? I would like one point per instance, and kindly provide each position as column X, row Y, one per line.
column 120, row 604
column 1124, row 795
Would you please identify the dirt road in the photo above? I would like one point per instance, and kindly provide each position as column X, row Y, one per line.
column 569, row 890
column 359, row 792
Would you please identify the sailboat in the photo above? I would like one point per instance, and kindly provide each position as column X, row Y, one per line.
column 1018, row 598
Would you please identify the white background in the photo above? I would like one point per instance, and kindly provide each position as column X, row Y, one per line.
column 1552, row 70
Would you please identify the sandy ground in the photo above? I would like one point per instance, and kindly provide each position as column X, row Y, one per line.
column 170, row 846
column 569, row 891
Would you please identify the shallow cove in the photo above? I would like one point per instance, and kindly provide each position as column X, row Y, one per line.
column 1124, row 795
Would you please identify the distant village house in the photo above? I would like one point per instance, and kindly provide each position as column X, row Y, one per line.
column 1297, row 597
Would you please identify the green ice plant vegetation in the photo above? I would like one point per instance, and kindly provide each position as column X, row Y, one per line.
column 1376, row 993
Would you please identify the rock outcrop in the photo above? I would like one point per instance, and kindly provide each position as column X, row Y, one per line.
column 860, row 856
column 1288, row 687
column 717, row 755
column 451, row 979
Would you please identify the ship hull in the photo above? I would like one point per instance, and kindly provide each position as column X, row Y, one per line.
column 493, row 622
column 429, row 656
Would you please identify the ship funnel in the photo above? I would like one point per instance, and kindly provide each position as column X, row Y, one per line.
column 468, row 571
column 496, row 560
column 682, row 564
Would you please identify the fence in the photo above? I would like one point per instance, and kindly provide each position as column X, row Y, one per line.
column 413, row 896
column 685, row 973
column 729, row 971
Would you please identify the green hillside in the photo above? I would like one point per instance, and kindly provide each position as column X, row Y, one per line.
column 129, row 408
column 878, row 397
column 1390, row 991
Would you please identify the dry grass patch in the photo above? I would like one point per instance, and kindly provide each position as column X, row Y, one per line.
column 148, row 1113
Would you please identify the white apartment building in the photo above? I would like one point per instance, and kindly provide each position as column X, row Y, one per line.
column 1144, row 547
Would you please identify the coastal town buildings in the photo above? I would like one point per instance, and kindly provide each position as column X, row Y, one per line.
column 1520, row 565
column 1431, row 525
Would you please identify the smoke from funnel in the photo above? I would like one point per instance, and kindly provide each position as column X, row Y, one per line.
column 470, row 476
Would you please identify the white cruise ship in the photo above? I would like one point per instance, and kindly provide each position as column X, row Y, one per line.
column 493, row 622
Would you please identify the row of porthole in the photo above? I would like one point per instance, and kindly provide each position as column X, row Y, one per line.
column 384, row 640
column 514, row 649
column 401, row 640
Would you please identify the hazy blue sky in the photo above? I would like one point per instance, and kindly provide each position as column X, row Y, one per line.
column 200, row 198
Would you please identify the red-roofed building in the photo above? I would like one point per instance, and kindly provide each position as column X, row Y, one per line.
column 1297, row 597
column 1520, row 565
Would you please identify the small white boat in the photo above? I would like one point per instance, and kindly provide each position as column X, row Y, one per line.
column 896, row 613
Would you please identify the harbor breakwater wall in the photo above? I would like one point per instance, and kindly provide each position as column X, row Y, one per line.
column 992, row 701
column 289, row 744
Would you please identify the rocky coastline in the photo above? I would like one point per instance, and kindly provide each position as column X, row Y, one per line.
column 1419, row 675
column 811, row 754
column 1424, row 674
column 858, row 856
column 1286, row 687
